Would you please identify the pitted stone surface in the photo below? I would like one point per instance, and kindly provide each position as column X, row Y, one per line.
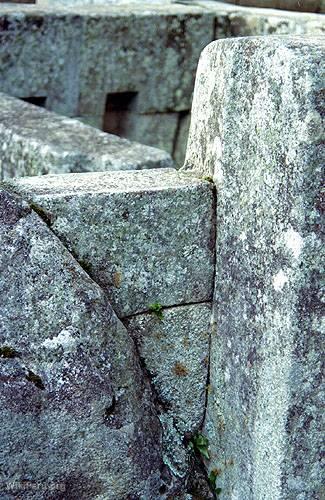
column 35, row 141
column 175, row 351
column 76, row 412
column 145, row 237
column 258, row 130
column 78, row 54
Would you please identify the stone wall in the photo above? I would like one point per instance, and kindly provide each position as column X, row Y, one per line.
column 139, row 307
column 298, row 5
column 128, row 69
column 93, row 406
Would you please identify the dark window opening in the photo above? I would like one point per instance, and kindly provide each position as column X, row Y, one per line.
column 118, row 107
column 38, row 101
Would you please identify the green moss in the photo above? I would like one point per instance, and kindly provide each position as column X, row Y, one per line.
column 212, row 478
column 200, row 444
column 157, row 310
column 208, row 178
column 8, row 352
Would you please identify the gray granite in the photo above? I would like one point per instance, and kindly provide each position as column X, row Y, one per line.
column 145, row 236
column 175, row 351
column 77, row 416
column 296, row 5
column 258, row 130
column 34, row 141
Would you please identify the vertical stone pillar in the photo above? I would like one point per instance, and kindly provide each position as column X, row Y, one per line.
column 257, row 129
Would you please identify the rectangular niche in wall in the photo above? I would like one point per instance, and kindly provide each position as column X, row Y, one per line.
column 38, row 101
column 118, row 107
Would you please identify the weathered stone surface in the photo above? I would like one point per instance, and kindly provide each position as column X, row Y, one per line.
column 258, row 130
column 149, row 49
column 39, row 55
column 145, row 237
column 305, row 5
column 175, row 352
column 35, row 141
column 235, row 20
column 77, row 420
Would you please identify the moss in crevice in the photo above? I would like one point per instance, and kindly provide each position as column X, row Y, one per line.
column 8, row 352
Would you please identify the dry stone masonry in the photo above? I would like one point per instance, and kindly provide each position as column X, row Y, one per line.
column 128, row 62
column 160, row 329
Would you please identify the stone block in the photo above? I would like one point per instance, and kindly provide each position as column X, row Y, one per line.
column 35, row 141
column 39, row 55
column 77, row 418
column 175, row 352
column 236, row 21
column 258, row 130
column 151, row 50
column 297, row 5
column 144, row 237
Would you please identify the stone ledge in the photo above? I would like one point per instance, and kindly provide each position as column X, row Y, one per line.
column 35, row 141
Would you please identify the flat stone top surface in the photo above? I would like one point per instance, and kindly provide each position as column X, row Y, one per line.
column 106, row 182
column 164, row 8
column 143, row 9
column 66, row 135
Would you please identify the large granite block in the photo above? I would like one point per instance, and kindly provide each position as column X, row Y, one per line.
column 149, row 49
column 257, row 128
column 39, row 55
column 77, row 418
column 145, row 237
column 175, row 351
column 34, row 141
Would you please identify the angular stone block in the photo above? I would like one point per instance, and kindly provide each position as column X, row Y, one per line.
column 76, row 411
column 35, row 141
column 175, row 352
column 258, row 130
column 145, row 237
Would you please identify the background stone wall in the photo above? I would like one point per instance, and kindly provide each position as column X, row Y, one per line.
column 128, row 69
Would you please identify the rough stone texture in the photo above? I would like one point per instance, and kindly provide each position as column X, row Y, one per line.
column 39, row 55
column 75, row 56
column 181, row 139
column 298, row 5
column 150, row 50
column 35, row 141
column 77, row 420
column 258, row 130
column 175, row 352
column 145, row 237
